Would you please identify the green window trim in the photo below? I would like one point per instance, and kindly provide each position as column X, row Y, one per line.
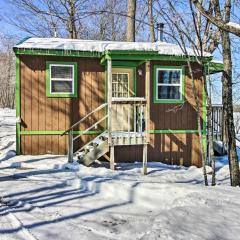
column 168, row 101
column 75, row 85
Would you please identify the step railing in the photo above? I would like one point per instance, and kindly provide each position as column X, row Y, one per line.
column 69, row 131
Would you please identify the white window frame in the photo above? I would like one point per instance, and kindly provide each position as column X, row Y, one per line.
column 169, row 84
column 61, row 79
column 128, row 81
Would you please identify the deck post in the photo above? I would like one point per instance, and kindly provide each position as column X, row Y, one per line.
column 146, row 117
column 112, row 162
column 110, row 142
column 144, row 170
column 70, row 146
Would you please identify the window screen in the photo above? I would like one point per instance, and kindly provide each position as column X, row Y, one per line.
column 168, row 84
column 61, row 78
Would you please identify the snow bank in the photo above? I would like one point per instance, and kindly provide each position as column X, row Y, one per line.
column 44, row 197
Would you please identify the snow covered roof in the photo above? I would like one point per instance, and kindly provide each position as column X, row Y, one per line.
column 162, row 48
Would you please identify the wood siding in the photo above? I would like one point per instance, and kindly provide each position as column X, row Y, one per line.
column 41, row 113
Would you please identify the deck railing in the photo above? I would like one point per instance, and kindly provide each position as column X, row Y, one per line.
column 128, row 115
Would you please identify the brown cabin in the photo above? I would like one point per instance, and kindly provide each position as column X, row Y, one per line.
column 120, row 101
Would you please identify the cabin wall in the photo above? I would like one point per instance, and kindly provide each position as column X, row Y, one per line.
column 181, row 145
column 43, row 118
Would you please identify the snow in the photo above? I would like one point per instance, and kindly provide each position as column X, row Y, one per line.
column 235, row 25
column 44, row 197
column 162, row 48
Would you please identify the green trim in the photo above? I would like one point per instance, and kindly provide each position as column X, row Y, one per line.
column 177, row 131
column 121, row 63
column 214, row 67
column 18, row 105
column 114, row 54
column 48, row 93
column 168, row 101
column 52, row 52
column 58, row 132
column 148, row 55
column 156, row 131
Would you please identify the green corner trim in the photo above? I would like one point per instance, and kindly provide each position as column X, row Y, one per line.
column 168, row 101
column 58, row 132
column 48, row 92
column 18, row 105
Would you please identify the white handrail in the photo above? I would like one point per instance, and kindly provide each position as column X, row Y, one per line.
column 82, row 119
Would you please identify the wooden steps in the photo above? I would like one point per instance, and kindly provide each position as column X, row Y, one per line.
column 99, row 146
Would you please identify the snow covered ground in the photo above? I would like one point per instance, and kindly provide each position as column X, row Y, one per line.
column 44, row 198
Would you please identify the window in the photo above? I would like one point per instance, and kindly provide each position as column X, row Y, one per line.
column 168, row 85
column 120, row 85
column 123, row 82
column 61, row 79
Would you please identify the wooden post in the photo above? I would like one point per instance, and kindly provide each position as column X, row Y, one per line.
column 147, row 96
column 147, row 116
column 112, row 162
column 110, row 141
column 70, row 146
column 144, row 170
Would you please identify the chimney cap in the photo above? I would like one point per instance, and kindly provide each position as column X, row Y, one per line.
column 160, row 25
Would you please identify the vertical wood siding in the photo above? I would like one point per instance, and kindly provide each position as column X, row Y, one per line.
column 41, row 113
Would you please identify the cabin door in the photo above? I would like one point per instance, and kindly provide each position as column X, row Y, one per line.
column 122, row 87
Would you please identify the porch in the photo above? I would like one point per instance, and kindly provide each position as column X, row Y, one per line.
column 125, row 119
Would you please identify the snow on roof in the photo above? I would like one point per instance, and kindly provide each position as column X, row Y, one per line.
column 162, row 48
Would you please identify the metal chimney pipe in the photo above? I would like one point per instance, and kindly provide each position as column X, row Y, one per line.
column 160, row 27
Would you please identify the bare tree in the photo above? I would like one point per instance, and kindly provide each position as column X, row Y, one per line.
column 131, row 21
column 50, row 18
column 221, row 18
column 194, row 31
column 217, row 20
column 151, row 20
column 109, row 20
column 7, row 72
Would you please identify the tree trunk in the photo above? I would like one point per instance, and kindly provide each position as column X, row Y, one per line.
column 199, row 117
column 151, row 21
column 228, row 110
column 211, row 156
column 72, row 24
column 131, row 20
